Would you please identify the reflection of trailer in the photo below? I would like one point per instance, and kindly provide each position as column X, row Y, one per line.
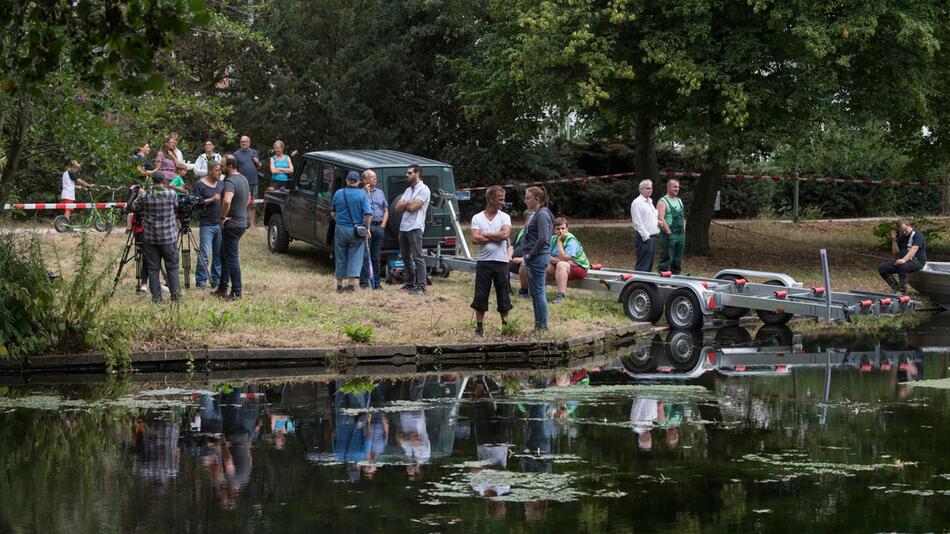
column 780, row 360
column 688, row 301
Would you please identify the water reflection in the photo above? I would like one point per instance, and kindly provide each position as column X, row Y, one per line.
column 733, row 429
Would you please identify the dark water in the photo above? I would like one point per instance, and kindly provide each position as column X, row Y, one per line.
column 774, row 432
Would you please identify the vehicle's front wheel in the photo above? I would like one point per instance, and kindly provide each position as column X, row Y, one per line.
column 278, row 239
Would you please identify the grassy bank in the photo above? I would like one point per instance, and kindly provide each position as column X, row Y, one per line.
column 289, row 300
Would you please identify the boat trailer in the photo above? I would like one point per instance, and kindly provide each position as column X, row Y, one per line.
column 691, row 301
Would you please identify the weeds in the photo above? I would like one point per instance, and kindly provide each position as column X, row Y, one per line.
column 220, row 320
column 512, row 327
column 359, row 333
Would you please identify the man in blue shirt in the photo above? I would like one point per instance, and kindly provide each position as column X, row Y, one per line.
column 353, row 215
column 380, row 207
column 911, row 250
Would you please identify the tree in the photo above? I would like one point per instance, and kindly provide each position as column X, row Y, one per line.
column 98, row 42
column 729, row 78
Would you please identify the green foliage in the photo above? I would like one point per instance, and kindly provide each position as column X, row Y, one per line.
column 68, row 314
column 359, row 332
column 220, row 320
column 512, row 327
column 358, row 385
column 933, row 231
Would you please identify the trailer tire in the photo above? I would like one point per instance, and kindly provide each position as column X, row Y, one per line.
column 732, row 312
column 683, row 311
column 733, row 335
column 774, row 318
column 642, row 303
column 682, row 348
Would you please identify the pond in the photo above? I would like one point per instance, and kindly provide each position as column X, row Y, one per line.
column 716, row 431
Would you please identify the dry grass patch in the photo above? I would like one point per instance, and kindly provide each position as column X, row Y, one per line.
column 290, row 299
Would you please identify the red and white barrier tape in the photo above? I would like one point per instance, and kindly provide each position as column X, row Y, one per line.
column 735, row 176
column 80, row 205
column 809, row 179
column 570, row 179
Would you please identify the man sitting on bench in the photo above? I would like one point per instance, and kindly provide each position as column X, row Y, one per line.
column 568, row 260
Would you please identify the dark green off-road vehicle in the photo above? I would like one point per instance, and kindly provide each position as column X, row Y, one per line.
column 302, row 210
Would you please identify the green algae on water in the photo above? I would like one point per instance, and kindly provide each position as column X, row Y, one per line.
column 941, row 383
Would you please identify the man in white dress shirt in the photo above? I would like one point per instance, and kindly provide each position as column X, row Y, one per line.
column 646, row 226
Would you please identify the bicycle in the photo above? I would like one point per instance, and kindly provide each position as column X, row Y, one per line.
column 102, row 220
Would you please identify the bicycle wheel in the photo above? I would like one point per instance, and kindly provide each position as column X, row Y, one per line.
column 60, row 224
column 101, row 223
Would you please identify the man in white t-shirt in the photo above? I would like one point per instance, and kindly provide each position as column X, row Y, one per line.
column 490, row 231
column 413, row 205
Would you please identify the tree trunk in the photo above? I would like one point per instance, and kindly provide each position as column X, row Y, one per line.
column 701, row 211
column 14, row 149
column 945, row 204
column 647, row 166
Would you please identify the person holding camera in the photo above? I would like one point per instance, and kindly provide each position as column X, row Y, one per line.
column 234, row 202
column 210, row 189
column 353, row 215
column 160, row 235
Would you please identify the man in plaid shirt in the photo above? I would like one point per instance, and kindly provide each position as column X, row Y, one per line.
column 160, row 237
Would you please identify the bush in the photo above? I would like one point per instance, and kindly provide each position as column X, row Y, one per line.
column 358, row 385
column 40, row 313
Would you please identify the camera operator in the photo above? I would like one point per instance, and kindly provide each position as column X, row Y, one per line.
column 160, row 235
column 210, row 189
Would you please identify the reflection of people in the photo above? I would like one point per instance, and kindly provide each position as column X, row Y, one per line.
column 155, row 442
column 351, row 437
column 911, row 251
column 644, row 415
column 240, row 421
column 413, row 437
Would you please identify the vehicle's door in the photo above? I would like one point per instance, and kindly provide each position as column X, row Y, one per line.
column 325, row 174
column 301, row 203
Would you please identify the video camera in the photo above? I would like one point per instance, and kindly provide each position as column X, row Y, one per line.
column 185, row 207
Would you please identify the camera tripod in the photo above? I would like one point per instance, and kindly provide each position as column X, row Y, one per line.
column 186, row 242
column 127, row 256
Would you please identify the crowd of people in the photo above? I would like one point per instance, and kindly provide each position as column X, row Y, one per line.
column 224, row 188
column 226, row 185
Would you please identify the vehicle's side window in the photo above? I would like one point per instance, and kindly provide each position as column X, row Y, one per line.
column 306, row 179
column 327, row 173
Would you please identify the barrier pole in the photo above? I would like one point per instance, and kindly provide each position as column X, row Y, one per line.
column 827, row 275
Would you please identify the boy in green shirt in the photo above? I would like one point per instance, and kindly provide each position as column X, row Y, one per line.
column 178, row 183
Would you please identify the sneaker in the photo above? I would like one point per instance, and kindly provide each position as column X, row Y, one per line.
column 232, row 297
column 220, row 294
column 165, row 289
column 561, row 299
column 199, row 286
column 479, row 332
column 418, row 291
column 523, row 293
column 142, row 288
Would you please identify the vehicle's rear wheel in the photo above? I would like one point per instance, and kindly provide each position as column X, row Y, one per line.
column 102, row 224
column 642, row 303
column 732, row 312
column 278, row 239
column 770, row 317
column 682, row 309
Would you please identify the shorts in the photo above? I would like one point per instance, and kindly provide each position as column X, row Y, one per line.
column 577, row 272
column 488, row 273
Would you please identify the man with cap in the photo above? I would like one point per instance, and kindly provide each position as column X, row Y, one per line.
column 353, row 214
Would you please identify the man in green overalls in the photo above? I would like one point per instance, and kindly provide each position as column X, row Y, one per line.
column 672, row 228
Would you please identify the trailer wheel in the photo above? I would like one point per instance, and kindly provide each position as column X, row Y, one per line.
column 683, row 311
column 642, row 303
column 731, row 336
column 769, row 317
column 682, row 347
column 732, row 312
column 643, row 359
